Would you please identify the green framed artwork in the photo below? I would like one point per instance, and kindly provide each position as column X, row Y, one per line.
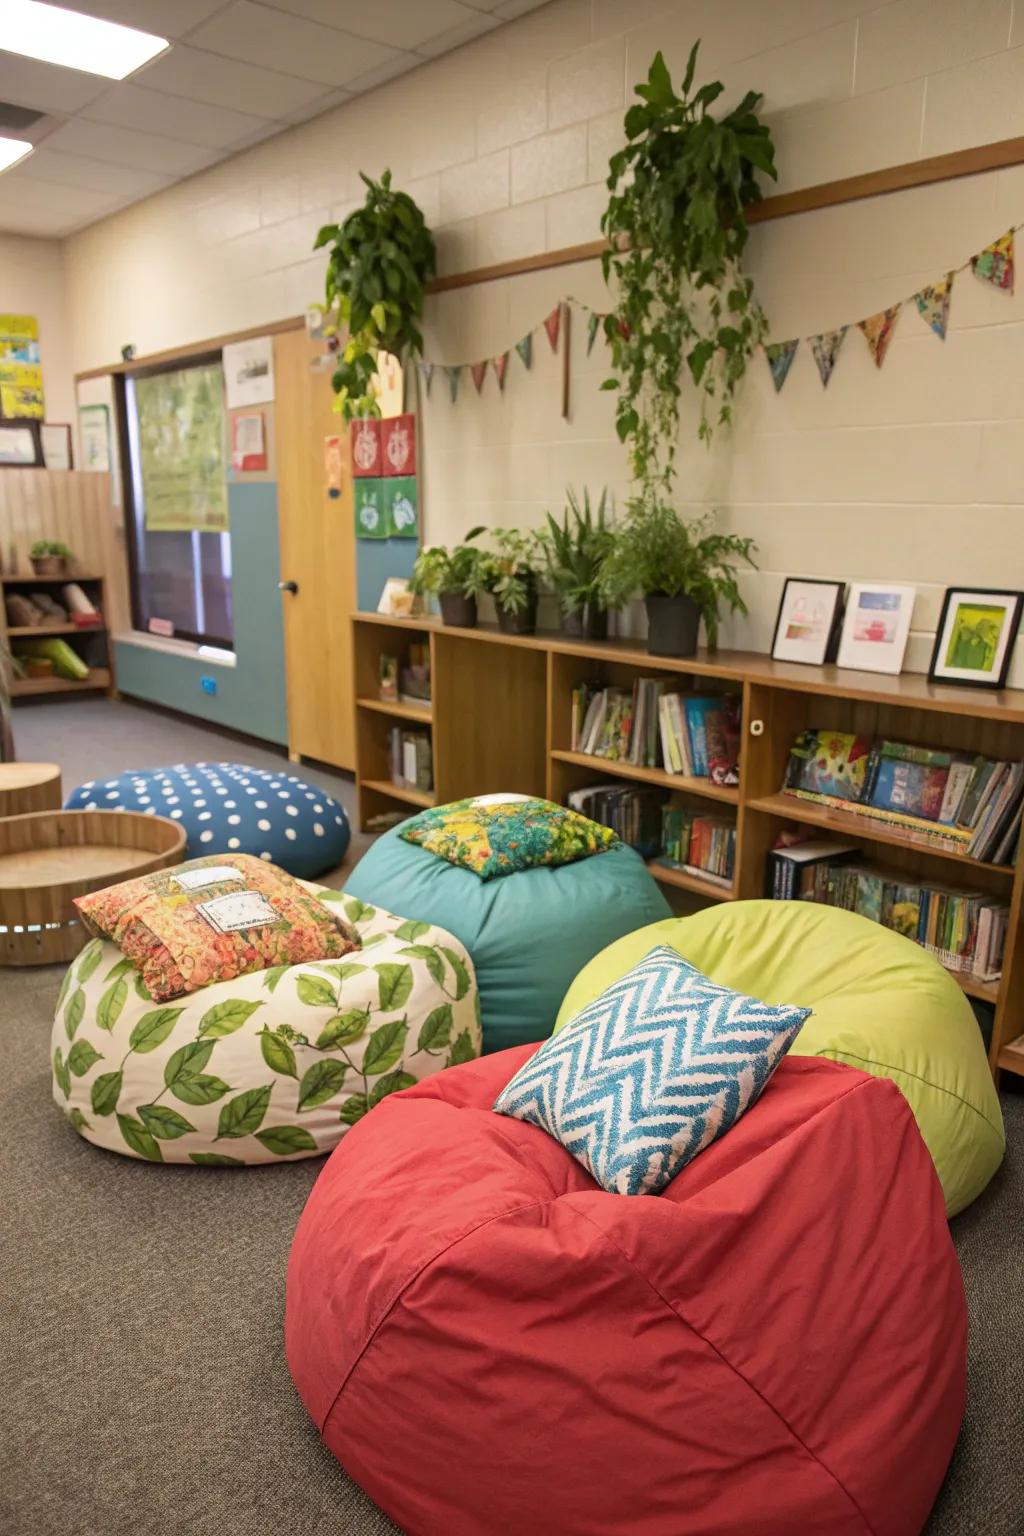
column 370, row 509
column 975, row 638
column 400, row 510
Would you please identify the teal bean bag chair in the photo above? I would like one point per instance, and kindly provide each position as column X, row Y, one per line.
column 529, row 933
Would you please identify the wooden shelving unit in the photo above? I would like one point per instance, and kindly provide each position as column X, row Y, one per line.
column 500, row 720
column 90, row 641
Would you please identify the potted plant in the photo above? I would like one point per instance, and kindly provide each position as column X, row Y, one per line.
column 381, row 258
column 455, row 577
column 49, row 558
column 684, row 570
column 512, row 577
column 575, row 550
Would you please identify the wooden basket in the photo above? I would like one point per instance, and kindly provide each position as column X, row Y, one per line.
column 48, row 858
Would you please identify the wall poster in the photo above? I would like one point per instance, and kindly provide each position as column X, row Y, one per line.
column 182, row 433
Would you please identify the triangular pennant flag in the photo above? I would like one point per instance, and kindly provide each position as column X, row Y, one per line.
column 499, row 364
column 552, row 324
column 478, row 372
column 933, row 302
column 995, row 262
column 525, row 349
column 780, row 355
column 593, row 326
column 454, row 375
column 427, row 375
column 826, row 349
column 878, row 331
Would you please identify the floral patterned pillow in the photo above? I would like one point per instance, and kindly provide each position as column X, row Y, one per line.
column 500, row 838
column 213, row 919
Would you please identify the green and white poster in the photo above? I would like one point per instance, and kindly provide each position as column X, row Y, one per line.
column 182, row 450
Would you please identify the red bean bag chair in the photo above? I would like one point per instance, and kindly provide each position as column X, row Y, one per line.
column 488, row 1342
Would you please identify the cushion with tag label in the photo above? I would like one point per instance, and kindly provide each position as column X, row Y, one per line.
column 214, row 919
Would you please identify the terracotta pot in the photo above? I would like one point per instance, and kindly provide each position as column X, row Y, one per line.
column 49, row 565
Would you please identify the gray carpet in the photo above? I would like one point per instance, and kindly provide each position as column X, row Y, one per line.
column 145, row 1384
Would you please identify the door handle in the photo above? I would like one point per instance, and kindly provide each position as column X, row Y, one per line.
column 288, row 586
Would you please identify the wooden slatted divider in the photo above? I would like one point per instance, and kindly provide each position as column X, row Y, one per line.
column 73, row 507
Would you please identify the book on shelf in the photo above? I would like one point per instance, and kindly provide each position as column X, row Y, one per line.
column 411, row 759
column 699, row 844
column 651, row 728
column 948, row 800
column 414, row 675
column 964, row 929
column 632, row 811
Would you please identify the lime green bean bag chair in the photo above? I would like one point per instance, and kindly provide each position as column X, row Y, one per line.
column 881, row 1003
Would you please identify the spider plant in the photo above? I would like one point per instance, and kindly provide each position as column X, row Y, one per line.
column 575, row 550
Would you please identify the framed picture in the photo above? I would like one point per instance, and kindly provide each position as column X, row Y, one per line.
column 808, row 623
column 876, row 626
column 56, row 440
column 94, row 436
column 20, row 447
column 974, row 640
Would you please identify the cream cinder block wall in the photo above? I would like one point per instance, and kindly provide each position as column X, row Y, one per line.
column 32, row 283
column 915, row 472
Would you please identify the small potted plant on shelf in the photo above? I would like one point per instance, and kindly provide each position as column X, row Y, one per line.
column 49, row 558
column 684, row 570
column 575, row 550
column 512, row 577
column 455, row 577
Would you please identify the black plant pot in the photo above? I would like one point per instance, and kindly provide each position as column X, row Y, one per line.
column 673, row 624
column 458, row 610
column 587, row 623
column 524, row 622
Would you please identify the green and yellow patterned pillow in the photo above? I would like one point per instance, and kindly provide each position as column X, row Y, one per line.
column 500, row 838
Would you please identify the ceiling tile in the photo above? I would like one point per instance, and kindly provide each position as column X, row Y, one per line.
column 322, row 103
column 399, row 65
column 167, row 18
column 208, row 77
column 55, row 165
column 49, row 87
column 273, row 39
column 127, row 146
column 18, row 187
column 508, row 10
column 132, row 106
column 43, row 223
column 476, row 26
column 399, row 23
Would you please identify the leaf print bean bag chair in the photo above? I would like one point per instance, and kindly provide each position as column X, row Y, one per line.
column 879, row 1001
column 775, row 1344
column 529, row 933
column 278, row 1063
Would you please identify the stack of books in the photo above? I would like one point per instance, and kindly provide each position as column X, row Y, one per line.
column 411, row 758
column 698, row 844
column 958, row 803
column 964, row 929
column 634, row 813
column 646, row 726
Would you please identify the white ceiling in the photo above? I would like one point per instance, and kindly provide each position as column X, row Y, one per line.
column 238, row 71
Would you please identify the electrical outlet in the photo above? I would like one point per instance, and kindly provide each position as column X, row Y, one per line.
column 208, row 684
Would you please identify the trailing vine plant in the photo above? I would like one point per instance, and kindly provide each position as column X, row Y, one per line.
column 381, row 258
column 676, row 231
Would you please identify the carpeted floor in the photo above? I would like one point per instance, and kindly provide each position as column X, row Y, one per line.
column 146, row 1389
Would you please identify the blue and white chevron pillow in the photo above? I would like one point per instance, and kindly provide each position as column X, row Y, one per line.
column 652, row 1072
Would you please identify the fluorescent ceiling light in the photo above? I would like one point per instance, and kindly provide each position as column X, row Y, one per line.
column 58, row 36
column 13, row 150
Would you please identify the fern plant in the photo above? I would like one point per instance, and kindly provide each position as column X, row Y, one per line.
column 676, row 231
column 381, row 258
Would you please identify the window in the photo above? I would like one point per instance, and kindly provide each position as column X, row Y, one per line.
column 176, row 501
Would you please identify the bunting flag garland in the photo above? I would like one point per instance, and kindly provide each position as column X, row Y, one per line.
column 454, row 375
column 933, row 304
column 826, row 349
column 878, row 331
column 525, row 349
column 780, row 355
column 427, row 375
column 552, row 324
column 499, row 364
column 478, row 372
column 593, row 326
column 995, row 263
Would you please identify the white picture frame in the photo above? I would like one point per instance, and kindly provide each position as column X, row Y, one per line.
column 876, row 626
column 806, row 622
column 248, row 372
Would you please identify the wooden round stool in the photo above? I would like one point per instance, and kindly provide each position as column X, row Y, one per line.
column 28, row 787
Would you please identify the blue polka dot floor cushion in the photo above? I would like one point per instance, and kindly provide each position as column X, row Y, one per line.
column 231, row 808
column 529, row 933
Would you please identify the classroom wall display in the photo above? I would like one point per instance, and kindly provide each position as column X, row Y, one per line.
column 55, row 437
column 181, row 449
column 876, row 626
column 974, row 640
column 21, row 374
column 94, row 437
column 20, row 446
column 367, row 450
column 249, row 372
column 807, row 626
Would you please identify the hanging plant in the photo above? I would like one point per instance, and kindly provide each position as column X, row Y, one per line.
column 381, row 258
column 676, row 231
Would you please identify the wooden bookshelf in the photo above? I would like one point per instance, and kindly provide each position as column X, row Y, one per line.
column 500, row 720
column 90, row 641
